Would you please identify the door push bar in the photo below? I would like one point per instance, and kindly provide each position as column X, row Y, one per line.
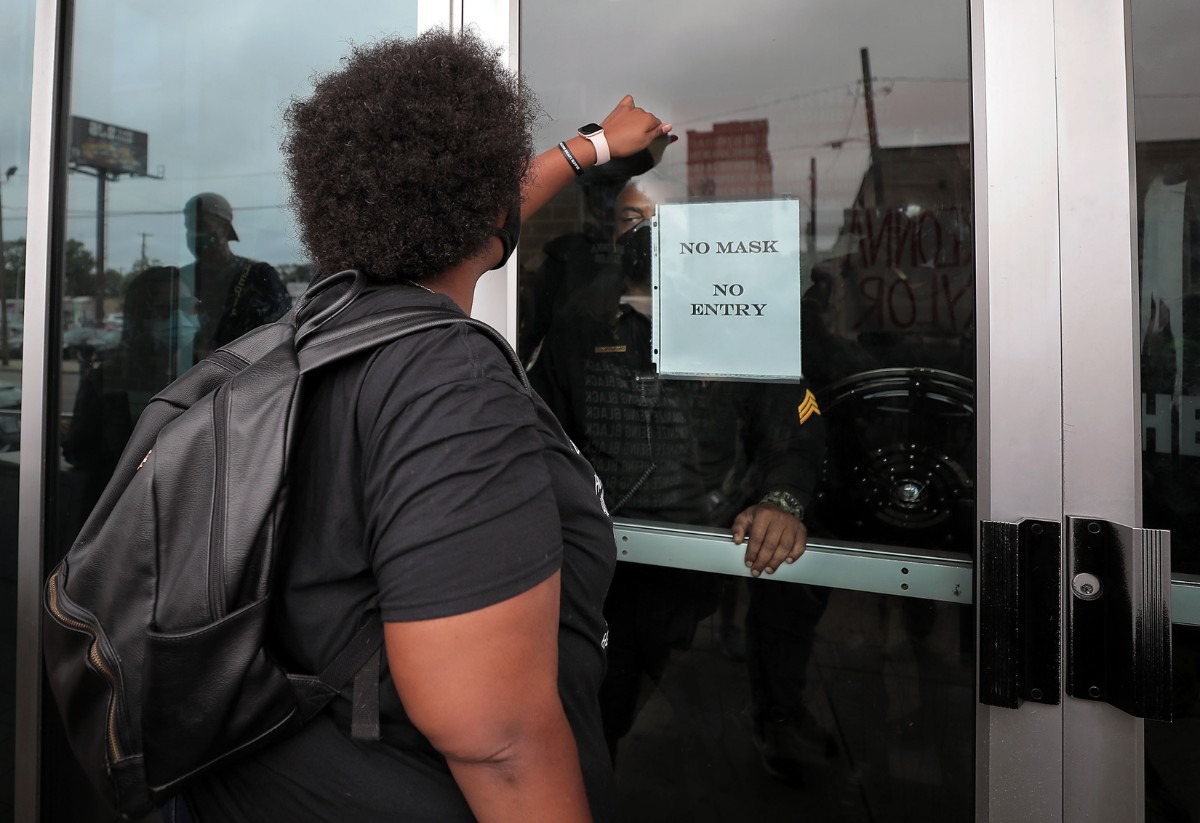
column 1119, row 641
column 1020, row 625
column 1118, row 634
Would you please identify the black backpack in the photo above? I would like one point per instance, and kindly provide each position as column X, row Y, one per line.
column 156, row 645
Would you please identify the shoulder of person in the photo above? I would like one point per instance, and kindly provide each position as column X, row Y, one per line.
column 256, row 269
column 452, row 374
column 595, row 301
column 435, row 356
column 456, row 352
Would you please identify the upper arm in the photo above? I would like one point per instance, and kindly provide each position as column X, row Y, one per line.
column 786, row 434
column 475, row 683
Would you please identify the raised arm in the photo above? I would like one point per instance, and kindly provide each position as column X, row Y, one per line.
column 483, row 688
column 628, row 129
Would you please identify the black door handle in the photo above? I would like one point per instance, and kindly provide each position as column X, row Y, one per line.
column 1119, row 631
column 1020, row 625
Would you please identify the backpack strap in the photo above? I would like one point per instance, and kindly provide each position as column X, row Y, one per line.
column 359, row 660
column 365, row 333
column 306, row 314
column 364, row 715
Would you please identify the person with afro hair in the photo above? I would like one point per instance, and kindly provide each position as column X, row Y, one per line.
column 434, row 490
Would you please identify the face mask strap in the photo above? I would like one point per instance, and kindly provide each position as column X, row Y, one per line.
column 509, row 233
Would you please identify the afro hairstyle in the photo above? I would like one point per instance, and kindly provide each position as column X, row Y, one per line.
column 403, row 159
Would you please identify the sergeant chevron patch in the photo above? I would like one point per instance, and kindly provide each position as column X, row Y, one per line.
column 808, row 407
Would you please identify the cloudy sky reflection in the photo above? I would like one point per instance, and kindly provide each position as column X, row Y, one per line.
column 208, row 81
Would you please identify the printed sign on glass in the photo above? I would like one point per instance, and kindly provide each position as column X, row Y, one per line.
column 727, row 290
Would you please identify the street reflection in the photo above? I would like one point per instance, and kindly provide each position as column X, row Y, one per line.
column 890, row 686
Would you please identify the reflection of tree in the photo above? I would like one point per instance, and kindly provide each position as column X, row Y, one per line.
column 140, row 265
column 79, row 265
column 14, row 266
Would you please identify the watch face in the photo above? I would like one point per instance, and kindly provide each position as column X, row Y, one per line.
column 589, row 129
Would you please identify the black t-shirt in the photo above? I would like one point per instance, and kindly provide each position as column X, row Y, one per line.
column 430, row 483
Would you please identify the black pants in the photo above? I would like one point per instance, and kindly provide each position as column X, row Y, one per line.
column 651, row 611
column 176, row 810
column 781, row 625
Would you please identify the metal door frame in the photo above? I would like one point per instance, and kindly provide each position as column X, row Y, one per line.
column 1019, row 752
column 1103, row 767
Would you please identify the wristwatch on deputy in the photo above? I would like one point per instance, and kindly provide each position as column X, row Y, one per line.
column 785, row 501
column 595, row 134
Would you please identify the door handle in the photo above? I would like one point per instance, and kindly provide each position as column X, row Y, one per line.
column 1020, row 624
column 1119, row 625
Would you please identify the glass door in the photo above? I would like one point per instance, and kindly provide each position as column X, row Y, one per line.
column 1166, row 88
column 174, row 238
column 969, row 241
column 777, row 305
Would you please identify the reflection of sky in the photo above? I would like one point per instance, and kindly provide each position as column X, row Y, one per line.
column 16, row 67
column 1166, row 69
column 796, row 64
column 208, row 81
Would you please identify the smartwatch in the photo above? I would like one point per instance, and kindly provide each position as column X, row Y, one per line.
column 595, row 134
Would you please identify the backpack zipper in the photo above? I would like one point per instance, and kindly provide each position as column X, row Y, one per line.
column 98, row 663
column 216, row 554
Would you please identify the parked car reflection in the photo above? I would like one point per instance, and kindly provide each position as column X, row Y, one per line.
column 16, row 334
column 94, row 338
column 10, row 417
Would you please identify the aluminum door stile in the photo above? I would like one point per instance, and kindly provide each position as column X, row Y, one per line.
column 1014, row 136
column 1103, row 766
column 53, row 29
